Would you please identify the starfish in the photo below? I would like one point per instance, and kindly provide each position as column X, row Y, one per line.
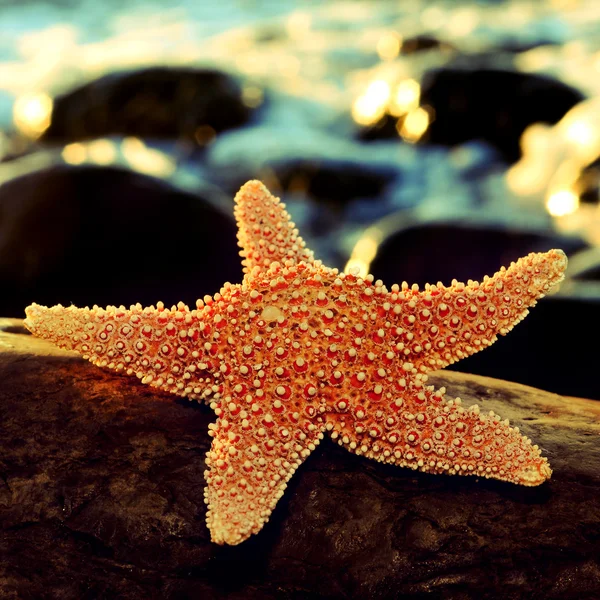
column 299, row 350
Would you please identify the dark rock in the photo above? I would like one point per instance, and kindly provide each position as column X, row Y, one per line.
column 588, row 183
column 90, row 235
column 326, row 179
column 334, row 181
column 440, row 252
column 384, row 129
column 516, row 45
column 157, row 102
column 550, row 352
column 423, row 42
column 101, row 496
column 495, row 105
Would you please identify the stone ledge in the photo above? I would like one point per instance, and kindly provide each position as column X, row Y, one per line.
column 101, row 496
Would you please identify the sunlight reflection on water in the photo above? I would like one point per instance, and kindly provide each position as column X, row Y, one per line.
column 340, row 56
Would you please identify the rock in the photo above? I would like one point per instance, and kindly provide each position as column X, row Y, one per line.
column 588, row 183
column 549, row 350
column 324, row 167
column 101, row 496
column 423, row 42
column 334, row 181
column 384, row 129
column 175, row 102
column 414, row 254
column 88, row 235
column 517, row 46
column 411, row 252
column 495, row 105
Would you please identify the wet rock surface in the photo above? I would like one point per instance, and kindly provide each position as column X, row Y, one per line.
column 88, row 235
column 154, row 102
column 101, row 496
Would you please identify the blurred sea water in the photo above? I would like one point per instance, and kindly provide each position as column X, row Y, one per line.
column 47, row 44
column 328, row 67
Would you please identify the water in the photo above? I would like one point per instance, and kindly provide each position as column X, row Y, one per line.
column 318, row 61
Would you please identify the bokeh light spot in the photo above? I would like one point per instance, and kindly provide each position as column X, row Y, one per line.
column 562, row 202
column 32, row 114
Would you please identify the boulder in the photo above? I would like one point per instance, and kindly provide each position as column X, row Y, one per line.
column 323, row 167
column 424, row 42
column 471, row 250
column 458, row 247
column 333, row 181
column 107, row 235
column 171, row 102
column 492, row 104
column 101, row 496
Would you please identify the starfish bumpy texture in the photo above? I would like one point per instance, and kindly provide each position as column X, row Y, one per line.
column 299, row 350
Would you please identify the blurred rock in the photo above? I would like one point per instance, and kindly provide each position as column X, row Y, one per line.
column 101, row 496
column 337, row 182
column 88, row 235
column 157, row 102
column 495, row 105
column 441, row 251
column 384, row 129
column 556, row 330
column 588, row 183
column 423, row 42
column 325, row 168
column 516, row 45
column 549, row 350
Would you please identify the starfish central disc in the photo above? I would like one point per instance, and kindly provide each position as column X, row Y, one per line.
column 299, row 350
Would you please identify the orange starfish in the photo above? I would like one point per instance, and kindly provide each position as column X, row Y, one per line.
column 298, row 349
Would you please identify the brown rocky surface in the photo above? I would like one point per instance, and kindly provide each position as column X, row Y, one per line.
column 101, row 496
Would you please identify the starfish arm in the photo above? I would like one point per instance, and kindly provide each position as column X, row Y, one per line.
column 441, row 325
column 266, row 233
column 254, row 453
column 420, row 429
column 173, row 350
